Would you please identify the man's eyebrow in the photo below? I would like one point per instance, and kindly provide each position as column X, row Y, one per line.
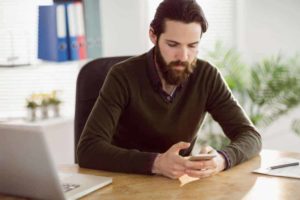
column 194, row 43
column 172, row 41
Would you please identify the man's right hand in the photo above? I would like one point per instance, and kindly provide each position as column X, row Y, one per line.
column 170, row 163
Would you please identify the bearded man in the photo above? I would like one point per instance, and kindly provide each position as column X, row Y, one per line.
column 151, row 107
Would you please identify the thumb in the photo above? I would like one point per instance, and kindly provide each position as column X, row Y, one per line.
column 178, row 146
column 206, row 149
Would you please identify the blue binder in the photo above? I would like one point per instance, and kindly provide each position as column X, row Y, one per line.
column 52, row 33
column 72, row 35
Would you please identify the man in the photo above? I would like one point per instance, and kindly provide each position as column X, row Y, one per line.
column 150, row 107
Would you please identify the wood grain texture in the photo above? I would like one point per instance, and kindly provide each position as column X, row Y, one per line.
column 234, row 184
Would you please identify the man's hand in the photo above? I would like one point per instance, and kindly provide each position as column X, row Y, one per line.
column 170, row 163
column 206, row 168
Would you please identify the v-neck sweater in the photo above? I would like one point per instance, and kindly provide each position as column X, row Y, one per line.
column 131, row 121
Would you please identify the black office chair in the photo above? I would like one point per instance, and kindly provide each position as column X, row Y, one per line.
column 89, row 83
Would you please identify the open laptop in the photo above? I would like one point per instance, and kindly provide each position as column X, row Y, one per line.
column 27, row 169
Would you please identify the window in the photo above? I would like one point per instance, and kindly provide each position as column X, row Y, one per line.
column 18, row 31
column 18, row 37
column 220, row 15
column 221, row 19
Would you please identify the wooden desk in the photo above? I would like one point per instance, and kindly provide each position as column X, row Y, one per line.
column 234, row 184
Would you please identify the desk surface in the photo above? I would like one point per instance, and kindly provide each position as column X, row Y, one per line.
column 234, row 184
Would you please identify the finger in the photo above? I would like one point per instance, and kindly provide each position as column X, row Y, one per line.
column 175, row 174
column 178, row 146
column 201, row 173
column 180, row 160
column 198, row 165
column 206, row 149
column 179, row 167
column 203, row 149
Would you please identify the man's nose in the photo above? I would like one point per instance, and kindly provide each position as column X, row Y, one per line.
column 182, row 54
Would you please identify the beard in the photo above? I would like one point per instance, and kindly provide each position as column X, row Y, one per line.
column 171, row 75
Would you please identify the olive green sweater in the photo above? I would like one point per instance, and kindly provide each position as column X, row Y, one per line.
column 132, row 121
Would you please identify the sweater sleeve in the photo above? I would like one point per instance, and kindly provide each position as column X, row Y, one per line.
column 245, row 139
column 95, row 149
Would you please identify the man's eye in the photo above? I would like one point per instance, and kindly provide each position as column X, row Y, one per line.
column 193, row 46
column 172, row 45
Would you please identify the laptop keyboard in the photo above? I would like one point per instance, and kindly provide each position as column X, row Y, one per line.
column 69, row 186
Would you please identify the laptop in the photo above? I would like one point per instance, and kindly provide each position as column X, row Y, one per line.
column 27, row 169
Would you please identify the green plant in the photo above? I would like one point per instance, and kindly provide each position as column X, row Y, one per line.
column 274, row 89
column 229, row 61
column 265, row 91
column 31, row 104
column 31, row 101
column 53, row 99
column 296, row 126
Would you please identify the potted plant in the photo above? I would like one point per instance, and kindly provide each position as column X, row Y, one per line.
column 54, row 102
column 44, row 105
column 266, row 90
column 31, row 106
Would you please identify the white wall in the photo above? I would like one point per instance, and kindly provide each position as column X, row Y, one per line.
column 264, row 27
column 124, row 27
column 268, row 27
column 279, row 135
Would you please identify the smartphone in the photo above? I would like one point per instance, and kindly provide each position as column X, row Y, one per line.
column 202, row 157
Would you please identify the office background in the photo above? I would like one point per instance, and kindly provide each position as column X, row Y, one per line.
column 255, row 28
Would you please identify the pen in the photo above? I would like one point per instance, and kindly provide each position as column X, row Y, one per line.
column 284, row 165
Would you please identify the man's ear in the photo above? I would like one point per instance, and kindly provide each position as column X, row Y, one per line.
column 152, row 36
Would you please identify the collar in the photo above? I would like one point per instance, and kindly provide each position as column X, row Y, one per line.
column 152, row 71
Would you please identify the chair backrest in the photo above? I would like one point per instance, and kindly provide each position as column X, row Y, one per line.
column 89, row 83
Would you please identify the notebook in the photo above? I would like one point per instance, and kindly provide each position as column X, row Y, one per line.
column 292, row 171
column 27, row 169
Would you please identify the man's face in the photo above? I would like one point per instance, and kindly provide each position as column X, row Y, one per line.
column 177, row 49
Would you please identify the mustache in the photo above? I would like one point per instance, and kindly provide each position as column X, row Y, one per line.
column 178, row 62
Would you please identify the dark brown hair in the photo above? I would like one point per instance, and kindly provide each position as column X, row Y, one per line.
column 186, row 11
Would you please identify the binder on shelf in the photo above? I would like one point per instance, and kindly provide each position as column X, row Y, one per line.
column 72, row 32
column 63, row 1
column 92, row 28
column 52, row 33
column 76, row 31
column 80, row 30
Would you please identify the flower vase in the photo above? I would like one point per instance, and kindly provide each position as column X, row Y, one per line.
column 56, row 111
column 31, row 114
column 44, row 110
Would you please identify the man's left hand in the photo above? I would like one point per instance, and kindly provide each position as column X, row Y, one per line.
column 206, row 168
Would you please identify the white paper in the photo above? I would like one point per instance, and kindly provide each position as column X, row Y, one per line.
column 291, row 171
